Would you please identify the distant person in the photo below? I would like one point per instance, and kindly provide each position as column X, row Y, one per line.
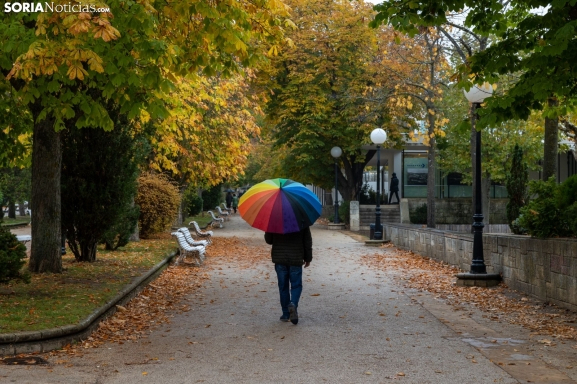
column 289, row 253
column 228, row 199
column 394, row 188
column 234, row 202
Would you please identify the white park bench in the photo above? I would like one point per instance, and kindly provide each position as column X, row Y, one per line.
column 190, row 240
column 229, row 210
column 185, row 248
column 201, row 233
column 24, row 238
column 225, row 215
column 215, row 220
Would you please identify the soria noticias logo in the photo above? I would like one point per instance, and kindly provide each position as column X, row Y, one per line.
column 18, row 7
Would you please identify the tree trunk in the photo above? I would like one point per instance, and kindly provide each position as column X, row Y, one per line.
column 486, row 199
column 46, row 168
column 431, row 221
column 179, row 219
column 88, row 251
column 21, row 209
column 551, row 145
column 12, row 209
column 351, row 182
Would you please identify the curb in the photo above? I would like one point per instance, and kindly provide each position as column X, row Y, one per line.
column 15, row 225
column 55, row 338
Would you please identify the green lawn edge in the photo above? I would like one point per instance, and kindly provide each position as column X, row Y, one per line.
column 79, row 293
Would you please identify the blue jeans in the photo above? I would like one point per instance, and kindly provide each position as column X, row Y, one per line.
column 294, row 275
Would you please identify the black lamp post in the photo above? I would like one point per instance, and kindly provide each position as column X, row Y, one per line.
column 336, row 152
column 378, row 136
column 476, row 95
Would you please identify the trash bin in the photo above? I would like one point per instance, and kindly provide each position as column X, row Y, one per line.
column 372, row 231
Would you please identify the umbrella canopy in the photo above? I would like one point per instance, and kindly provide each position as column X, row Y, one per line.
column 279, row 206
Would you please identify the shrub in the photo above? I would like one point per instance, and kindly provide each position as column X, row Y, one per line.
column 369, row 196
column 542, row 217
column 364, row 196
column 567, row 202
column 12, row 255
column 99, row 171
column 571, row 217
column 516, row 182
column 419, row 214
column 158, row 200
column 192, row 202
column 382, row 197
column 119, row 234
column 211, row 197
column 344, row 213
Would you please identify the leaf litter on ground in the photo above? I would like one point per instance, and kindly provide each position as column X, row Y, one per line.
column 161, row 299
column 497, row 303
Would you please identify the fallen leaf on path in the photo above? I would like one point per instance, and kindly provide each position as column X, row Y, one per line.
column 500, row 303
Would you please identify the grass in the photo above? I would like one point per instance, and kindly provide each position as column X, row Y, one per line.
column 203, row 219
column 53, row 300
column 17, row 220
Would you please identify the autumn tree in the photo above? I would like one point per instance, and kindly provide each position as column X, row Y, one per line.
column 497, row 145
column 205, row 138
column 65, row 66
column 15, row 130
column 537, row 46
column 421, row 74
column 326, row 91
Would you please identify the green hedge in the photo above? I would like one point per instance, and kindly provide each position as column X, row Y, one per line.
column 553, row 210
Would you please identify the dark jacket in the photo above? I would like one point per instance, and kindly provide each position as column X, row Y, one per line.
column 394, row 184
column 291, row 248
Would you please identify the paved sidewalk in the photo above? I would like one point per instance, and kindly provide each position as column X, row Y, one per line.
column 357, row 325
column 27, row 230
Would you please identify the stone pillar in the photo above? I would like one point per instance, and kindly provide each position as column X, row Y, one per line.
column 405, row 218
column 355, row 216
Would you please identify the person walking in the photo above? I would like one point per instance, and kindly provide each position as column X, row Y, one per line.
column 234, row 202
column 290, row 251
column 394, row 188
column 228, row 199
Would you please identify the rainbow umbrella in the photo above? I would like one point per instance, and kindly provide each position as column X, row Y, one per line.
column 279, row 206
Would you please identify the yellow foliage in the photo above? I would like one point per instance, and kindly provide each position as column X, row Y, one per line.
column 205, row 138
column 158, row 200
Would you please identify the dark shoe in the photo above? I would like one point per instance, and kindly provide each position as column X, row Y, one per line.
column 293, row 315
column 285, row 318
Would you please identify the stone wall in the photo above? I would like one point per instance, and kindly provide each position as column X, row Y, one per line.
column 460, row 210
column 545, row 269
column 327, row 211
